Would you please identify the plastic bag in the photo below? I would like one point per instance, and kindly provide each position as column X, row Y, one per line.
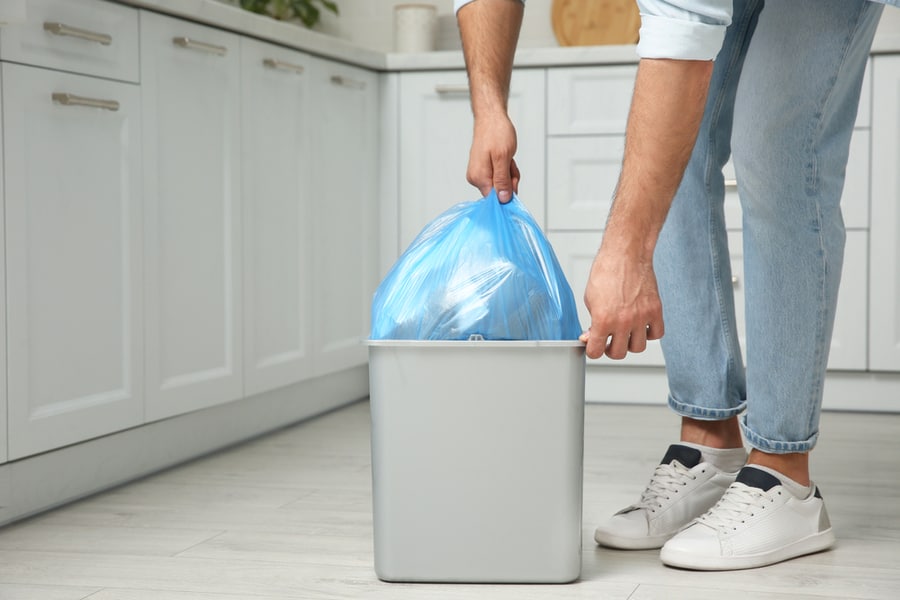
column 481, row 268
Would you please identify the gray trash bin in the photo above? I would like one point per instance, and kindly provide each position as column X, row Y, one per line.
column 477, row 451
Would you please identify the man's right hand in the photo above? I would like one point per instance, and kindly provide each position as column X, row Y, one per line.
column 491, row 162
column 489, row 30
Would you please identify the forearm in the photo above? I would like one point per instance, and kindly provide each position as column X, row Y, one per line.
column 489, row 30
column 666, row 111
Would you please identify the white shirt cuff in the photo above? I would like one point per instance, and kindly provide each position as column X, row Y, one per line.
column 458, row 4
column 664, row 37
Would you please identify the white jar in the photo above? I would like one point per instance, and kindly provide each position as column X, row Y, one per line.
column 414, row 27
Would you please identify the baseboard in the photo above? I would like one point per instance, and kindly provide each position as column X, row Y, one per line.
column 844, row 390
column 38, row 483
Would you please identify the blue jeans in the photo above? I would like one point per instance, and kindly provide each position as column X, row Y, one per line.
column 787, row 82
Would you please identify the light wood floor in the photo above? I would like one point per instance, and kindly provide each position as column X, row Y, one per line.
column 288, row 516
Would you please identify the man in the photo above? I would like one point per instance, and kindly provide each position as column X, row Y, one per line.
column 800, row 65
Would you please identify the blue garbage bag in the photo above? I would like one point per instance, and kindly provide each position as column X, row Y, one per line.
column 481, row 268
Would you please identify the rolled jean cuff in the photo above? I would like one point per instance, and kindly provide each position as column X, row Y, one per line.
column 703, row 413
column 776, row 446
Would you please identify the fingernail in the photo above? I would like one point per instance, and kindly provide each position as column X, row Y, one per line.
column 504, row 196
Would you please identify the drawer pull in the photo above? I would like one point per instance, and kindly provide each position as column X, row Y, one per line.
column 73, row 100
column 451, row 90
column 186, row 42
column 731, row 184
column 281, row 65
column 347, row 82
column 76, row 32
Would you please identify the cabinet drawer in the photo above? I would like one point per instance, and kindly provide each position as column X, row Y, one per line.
column 588, row 100
column 581, row 179
column 91, row 37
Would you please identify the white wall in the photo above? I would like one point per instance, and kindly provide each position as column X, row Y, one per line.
column 370, row 23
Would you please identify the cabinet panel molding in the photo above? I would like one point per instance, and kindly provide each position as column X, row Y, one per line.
column 193, row 216
column 345, row 235
column 74, row 259
column 589, row 100
column 277, row 199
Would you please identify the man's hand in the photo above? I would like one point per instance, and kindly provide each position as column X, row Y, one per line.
column 489, row 30
column 491, row 163
column 624, row 303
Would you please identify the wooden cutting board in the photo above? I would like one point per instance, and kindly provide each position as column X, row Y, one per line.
column 595, row 22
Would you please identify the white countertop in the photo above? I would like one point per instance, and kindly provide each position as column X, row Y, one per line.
column 213, row 12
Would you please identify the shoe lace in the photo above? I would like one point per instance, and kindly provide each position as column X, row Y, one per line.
column 739, row 503
column 667, row 479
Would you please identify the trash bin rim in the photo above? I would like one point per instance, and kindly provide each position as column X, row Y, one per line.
column 477, row 343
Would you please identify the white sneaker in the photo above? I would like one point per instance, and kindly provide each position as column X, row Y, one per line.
column 681, row 489
column 757, row 522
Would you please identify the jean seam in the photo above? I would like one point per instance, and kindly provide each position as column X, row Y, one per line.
column 813, row 179
column 737, row 53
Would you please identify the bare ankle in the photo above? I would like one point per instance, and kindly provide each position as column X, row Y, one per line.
column 715, row 434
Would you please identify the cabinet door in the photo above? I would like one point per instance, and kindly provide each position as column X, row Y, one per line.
column 73, row 250
column 277, row 229
column 3, row 405
column 190, row 92
column 435, row 136
column 884, row 278
column 345, row 202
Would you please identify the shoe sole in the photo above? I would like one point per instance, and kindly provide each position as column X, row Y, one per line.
column 610, row 540
column 809, row 545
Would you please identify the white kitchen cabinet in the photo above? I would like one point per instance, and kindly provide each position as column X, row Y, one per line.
column 435, row 120
column 3, row 404
column 73, row 255
column 884, row 250
column 345, row 218
column 190, row 90
column 587, row 114
column 277, row 200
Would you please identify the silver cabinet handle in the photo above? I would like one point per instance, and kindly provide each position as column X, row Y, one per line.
column 347, row 82
column 273, row 63
column 735, row 280
column 447, row 90
column 186, row 42
column 73, row 100
column 731, row 184
column 76, row 32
